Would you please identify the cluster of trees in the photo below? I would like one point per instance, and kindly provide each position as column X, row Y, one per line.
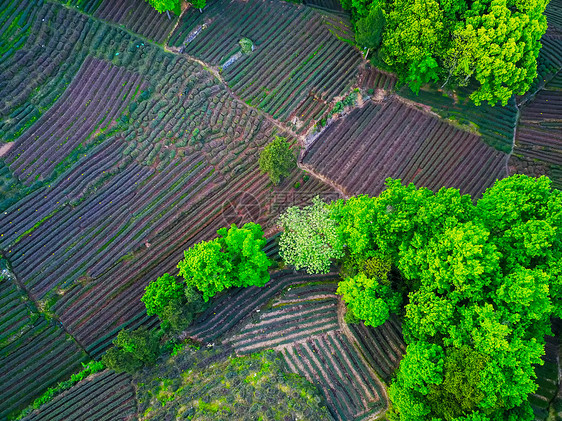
column 493, row 43
column 234, row 259
column 479, row 283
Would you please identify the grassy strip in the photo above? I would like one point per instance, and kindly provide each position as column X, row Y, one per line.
column 37, row 225
column 90, row 368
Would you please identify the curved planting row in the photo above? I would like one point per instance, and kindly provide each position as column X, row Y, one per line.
column 16, row 314
column 331, row 5
column 36, row 360
column 495, row 124
column 332, row 363
column 554, row 15
column 372, row 78
column 96, row 96
column 103, row 397
column 87, row 6
column 15, row 21
column 383, row 346
column 175, row 168
column 538, row 145
column 287, row 322
column 291, row 59
column 393, row 139
column 236, row 304
column 548, row 379
column 24, row 93
column 139, row 17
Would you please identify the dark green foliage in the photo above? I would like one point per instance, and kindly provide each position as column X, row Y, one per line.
column 277, row 159
column 132, row 350
column 459, row 391
column 369, row 30
column 214, row 384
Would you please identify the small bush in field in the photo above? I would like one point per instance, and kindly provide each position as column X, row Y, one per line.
column 246, row 45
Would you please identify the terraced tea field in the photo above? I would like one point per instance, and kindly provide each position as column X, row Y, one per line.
column 127, row 136
column 394, row 139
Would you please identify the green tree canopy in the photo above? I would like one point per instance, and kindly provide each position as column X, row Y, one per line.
column 369, row 299
column 235, row 258
column 491, row 43
column 160, row 293
column 482, row 281
column 166, row 5
column 132, row 350
column 369, row 29
column 277, row 159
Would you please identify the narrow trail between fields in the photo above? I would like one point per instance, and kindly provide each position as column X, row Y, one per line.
column 300, row 138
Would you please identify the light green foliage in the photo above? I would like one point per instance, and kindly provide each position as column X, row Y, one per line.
column 525, row 215
column 356, row 218
column 205, row 267
column 310, row 237
column 415, row 36
column 246, row 45
column 174, row 302
column 161, row 292
column 498, row 45
column 211, row 384
column 132, row 350
column 369, row 299
column 235, row 258
column 277, row 159
column 493, row 42
column 165, row 5
column 243, row 248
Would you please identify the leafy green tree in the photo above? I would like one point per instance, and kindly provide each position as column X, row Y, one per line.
column 277, row 159
column 132, row 350
column 161, row 292
column 459, row 392
column 205, row 267
column 483, row 281
column 415, row 38
column 497, row 43
column 199, row 4
column 369, row 30
column 235, row 258
column 244, row 249
column 493, row 43
column 166, row 5
column 310, row 237
column 369, row 299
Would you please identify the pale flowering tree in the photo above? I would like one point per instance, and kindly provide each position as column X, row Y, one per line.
column 310, row 237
